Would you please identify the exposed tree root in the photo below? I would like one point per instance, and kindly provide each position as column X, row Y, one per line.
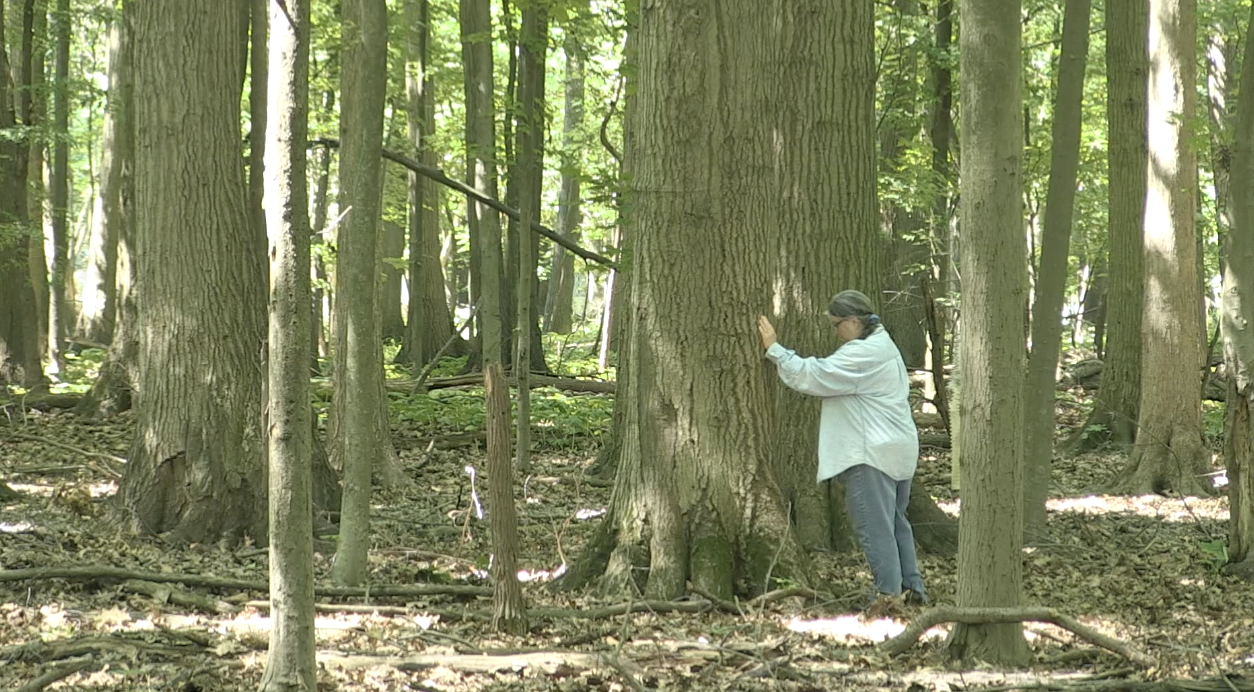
column 60, row 672
column 977, row 616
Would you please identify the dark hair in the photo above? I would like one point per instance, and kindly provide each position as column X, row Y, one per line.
column 855, row 304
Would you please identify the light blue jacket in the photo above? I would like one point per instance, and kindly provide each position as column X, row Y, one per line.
column 866, row 415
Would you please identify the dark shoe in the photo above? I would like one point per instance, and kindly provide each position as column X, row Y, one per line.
column 885, row 606
column 914, row 598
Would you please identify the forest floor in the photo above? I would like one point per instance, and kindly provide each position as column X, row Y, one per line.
column 1144, row 570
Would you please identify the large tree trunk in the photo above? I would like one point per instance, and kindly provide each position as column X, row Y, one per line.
column 1238, row 326
column 1051, row 276
column 19, row 323
column 1115, row 409
column 33, row 111
column 291, row 663
column 59, row 312
column 832, row 241
column 994, row 281
column 695, row 497
column 195, row 469
column 1169, row 455
column 112, row 390
column 509, row 609
column 559, row 302
column 361, row 432
column 429, row 323
column 935, row 285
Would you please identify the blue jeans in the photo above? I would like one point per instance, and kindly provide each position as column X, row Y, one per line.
column 877, row 508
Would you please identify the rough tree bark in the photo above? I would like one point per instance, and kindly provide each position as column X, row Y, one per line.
column 1115, row 409
column 1238, row 327
column 994, row 281
column 1169, row 454
column 691, row 504
column 98, row 311
column 509, row 609
column 1051, row 274
column 361, row 431
column 195, row 466
column 291, row 664
column 258, row 70
column 19, row 323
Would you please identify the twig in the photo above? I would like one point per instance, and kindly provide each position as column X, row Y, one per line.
column 422, row 376
column 976, row 616
column 61, row 672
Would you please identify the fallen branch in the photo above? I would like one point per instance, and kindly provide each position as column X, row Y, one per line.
column 168, row 594
column 346, row 608
column 42, row 402
column 562, row 383
column 979, row 616
column 84, row 452
column 104, row 572
column 61, row 672
column 547, row 661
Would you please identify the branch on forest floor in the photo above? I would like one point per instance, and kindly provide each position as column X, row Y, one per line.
column 104, row 572
column 84, row 452
column 168, row 594
column 981, row 616
column 61, row 672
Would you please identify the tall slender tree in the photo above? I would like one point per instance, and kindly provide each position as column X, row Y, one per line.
column 258, row 68
column 429, row 321
column 361, row 429
column 994, row 280
column 561, row 287
column 291, row 664
column 1051, row 273
column 111, row 392
column 484, row 223
column 1168, row 454
column 59, row 312
column 1115, row 408
column 195, row 466
column 1238, row 327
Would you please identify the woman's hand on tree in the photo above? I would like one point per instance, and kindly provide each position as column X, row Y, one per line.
column 766, row 331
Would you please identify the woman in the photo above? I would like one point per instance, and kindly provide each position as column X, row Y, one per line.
column 867, row 436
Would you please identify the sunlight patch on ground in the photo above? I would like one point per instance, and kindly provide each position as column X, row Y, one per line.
column 37, row 489
column 1171, row 509
column 850, row 629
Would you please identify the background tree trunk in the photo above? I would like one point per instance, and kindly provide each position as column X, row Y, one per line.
column 484, row 224
column 98, row 313
column 1051, row 275
column 392, row 250
column 559, row 302
column 1168, row 454
column 318, row 347
column 33, row 111
column 291, row 663
column 258, row 68
column 19, row 323
column 1118, row 397
column 1238, row 325
column 430, row 323
column 534, row 50
column 990, row 571
column 112, row 390
column 195, row 465
column 361, row 432
column 60, row 312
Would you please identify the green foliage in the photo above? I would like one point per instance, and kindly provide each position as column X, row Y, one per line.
column 1214, row 554
column 1213, row 413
